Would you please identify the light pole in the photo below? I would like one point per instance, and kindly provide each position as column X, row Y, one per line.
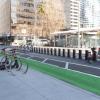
column 35, row 20
column 79, row 25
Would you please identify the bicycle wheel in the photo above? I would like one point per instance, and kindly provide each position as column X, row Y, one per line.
column 2, row 63
column 24, row 68
column 15, row 65
column 5, row 63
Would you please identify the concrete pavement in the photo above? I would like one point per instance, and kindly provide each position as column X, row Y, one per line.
column 37, row 86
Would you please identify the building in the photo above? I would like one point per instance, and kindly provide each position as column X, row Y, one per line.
column 90, row 18
column 4, row 16
column 90, row 13
column 22, row 17
column 72, row 13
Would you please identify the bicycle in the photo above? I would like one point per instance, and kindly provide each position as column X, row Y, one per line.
column 4, row 63
column 13, row 63
column 17, row 63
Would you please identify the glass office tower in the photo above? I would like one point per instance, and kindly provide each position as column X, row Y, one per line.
column 90, row 13
column 90, row 17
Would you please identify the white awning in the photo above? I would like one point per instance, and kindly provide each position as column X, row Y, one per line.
column 94, row 29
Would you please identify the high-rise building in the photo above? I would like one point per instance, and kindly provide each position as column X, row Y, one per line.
column 72, row 13
column 90, row 13
column 22, row 17
column 4, row 16
column 29, row 17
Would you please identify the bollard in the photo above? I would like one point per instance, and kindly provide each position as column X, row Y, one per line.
column 44, row 50
column 94, row 56
column 47, row 51
column 63, row 53
column 55, row 52
column 68, row 53
column 80, row 54
column 74, row 54
column 51, row 51
column 34, row 49
column 39, row 50
column 59, row 52
column 86, row 54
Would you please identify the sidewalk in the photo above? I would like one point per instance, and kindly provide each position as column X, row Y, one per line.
column 37, row 86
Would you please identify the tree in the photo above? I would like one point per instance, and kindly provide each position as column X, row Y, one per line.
column 51, row 17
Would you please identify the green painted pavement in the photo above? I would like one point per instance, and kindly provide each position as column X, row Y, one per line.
column 87, row 82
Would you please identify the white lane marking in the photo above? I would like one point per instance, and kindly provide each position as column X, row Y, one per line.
column 44, row 60
column 57, row 60
column 85, row 65
column 67, row 64
column 84, row 73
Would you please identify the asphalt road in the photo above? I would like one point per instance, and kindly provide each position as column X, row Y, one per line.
column 73, row 64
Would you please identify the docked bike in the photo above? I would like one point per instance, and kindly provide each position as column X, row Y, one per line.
column 12, row 63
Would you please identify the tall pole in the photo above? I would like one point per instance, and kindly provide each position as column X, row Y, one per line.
column 10, row 16
column 79, row 25
column 35, row 21
column 10, row 21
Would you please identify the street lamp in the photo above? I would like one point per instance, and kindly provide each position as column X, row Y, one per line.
column 35, row 20
column 79, row 25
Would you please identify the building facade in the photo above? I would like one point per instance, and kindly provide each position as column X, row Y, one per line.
column 24, row 17
column 90, row 13
column 4, row 17
column 72, row 13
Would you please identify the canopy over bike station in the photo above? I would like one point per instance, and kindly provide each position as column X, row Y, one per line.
column 82, row 37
